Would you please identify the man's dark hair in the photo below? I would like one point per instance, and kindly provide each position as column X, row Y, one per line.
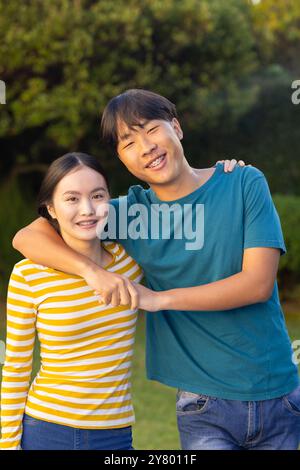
column 131, row 107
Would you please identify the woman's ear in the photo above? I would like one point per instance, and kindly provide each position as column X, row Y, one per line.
column 51, row 211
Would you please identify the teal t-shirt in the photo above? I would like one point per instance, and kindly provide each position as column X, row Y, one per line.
column 240, row 354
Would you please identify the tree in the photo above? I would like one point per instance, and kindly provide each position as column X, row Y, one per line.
column 64, row 59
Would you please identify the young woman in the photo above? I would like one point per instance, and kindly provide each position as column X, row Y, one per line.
column 80, row 398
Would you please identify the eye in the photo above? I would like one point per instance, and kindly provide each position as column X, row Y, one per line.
column 98, row 196
column 72, row 199
column 128, row 145
column 153, row 129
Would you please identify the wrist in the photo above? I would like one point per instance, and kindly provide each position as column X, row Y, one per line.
column 164, row 300
column 85, row 266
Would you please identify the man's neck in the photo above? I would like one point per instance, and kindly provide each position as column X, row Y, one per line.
column 188, row 181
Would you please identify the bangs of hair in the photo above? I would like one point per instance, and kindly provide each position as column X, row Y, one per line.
column 132, row 107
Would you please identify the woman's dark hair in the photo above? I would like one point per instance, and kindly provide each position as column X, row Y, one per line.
column 131, row 107
column 56, row 172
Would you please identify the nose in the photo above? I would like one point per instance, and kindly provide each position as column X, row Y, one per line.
column 86, row 207
column 147, row 145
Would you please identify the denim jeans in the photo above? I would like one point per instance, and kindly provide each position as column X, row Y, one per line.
column 42, row 435
column 209, row 423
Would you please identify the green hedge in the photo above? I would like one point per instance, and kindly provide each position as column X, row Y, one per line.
column 288, row 208
column 16, row 210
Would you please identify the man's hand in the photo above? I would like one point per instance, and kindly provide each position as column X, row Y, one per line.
column 229, row 165
column 113, row 289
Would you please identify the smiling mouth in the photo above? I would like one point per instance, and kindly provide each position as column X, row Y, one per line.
column 87, row 223
column 156, row 162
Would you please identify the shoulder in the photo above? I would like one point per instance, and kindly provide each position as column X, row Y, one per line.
column 27, row 270
column 245, row 174
column 136, row 194
column 254, row 184
column 26, row 266
column 123, row 263
column 244, row 178
column 22, row 272
column 251, row 173
column 117, row 250
column 114, row 248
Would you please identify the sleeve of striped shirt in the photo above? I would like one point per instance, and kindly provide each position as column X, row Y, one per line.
column 16, row 373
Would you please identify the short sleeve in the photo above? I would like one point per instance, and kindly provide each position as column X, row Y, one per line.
column 262, row 226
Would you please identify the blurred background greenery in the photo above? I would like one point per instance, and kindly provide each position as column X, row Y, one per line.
column 228, row 66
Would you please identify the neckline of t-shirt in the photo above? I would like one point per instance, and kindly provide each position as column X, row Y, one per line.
column 196, row 192
column 114, row 257
column 106, row 267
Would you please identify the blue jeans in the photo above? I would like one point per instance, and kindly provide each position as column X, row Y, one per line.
column 209, row 423
column 42, row 435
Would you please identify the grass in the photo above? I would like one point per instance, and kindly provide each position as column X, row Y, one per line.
column 154, row 403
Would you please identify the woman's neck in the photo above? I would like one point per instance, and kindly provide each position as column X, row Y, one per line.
column 92, row 249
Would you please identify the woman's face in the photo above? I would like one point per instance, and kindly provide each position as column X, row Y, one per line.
column 80, row 204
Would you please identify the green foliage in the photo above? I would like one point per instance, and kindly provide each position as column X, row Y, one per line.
column 288, row 208
column 276, row 27
column 16, row 210
column 227, row 65
column 65, row 59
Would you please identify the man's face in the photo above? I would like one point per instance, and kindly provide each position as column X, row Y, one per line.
column 152, row 151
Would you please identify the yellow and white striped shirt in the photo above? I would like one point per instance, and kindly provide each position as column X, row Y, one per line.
column 86, row 350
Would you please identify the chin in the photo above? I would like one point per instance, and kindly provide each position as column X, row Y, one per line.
column 89, row 237
column 85, row 236
column 167, row 179
column 156, row 179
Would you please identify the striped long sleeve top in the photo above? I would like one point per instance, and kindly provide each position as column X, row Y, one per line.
column 85, row 347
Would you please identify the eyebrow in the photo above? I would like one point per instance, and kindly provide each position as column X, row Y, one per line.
column 77, row 192
column 129, row 134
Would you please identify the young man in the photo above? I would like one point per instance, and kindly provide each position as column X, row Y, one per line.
column 219, row 334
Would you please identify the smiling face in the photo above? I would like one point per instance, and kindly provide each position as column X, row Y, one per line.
column 152, row 150
column 79, row 204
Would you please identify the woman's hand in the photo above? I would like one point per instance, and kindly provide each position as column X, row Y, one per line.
column 113, row 289
column 149, row 300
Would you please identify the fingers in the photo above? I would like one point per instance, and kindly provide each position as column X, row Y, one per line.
column 229, row 165
column 232, row 164
column 134, row 296
column 104, row 298
column 128, row 294
column 115, row 298
column 226, row 165
column 123, row 293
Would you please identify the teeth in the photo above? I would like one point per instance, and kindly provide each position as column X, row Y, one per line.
column 156, row 162
column 87, row 223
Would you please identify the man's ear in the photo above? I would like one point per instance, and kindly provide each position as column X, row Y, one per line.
column 51, row 211
column 177, row 128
